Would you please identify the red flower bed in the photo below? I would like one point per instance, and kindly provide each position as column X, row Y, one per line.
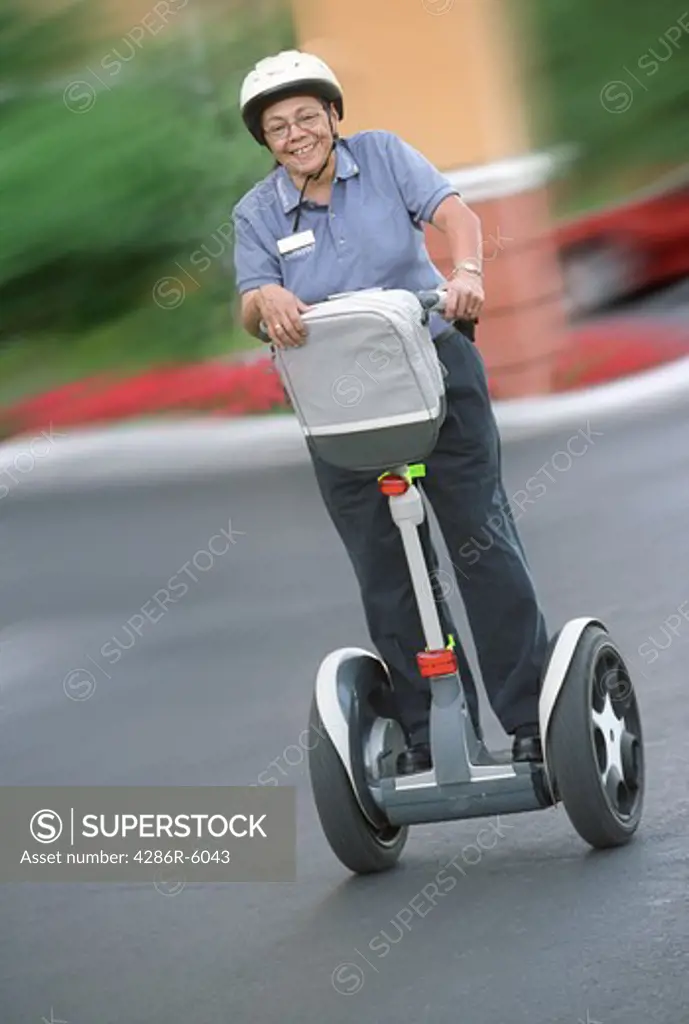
column 605, row 351
column 239, row 389
column 599, row 353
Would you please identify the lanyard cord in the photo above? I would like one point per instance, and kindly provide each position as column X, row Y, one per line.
column 299, row 205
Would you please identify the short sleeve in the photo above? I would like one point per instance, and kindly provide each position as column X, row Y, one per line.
column 421, row 185
column 254, row 263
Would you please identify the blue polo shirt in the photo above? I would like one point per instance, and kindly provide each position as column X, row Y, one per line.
column 370, row 236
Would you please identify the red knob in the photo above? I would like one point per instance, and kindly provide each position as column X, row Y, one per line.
column 392, row 485
column 436, row 663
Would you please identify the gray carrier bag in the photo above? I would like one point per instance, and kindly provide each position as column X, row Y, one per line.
column 367, row 386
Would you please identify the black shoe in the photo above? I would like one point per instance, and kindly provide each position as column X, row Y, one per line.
column 414, row 759
column 527, row 748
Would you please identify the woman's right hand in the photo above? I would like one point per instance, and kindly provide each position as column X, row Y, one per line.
column 281, row 312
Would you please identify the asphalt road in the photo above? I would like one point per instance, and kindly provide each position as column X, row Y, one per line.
column 538, row 929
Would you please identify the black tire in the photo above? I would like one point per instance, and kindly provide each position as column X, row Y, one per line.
column 603, row 817
column 354, row 841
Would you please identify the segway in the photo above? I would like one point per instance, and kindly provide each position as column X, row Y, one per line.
column 590, row 726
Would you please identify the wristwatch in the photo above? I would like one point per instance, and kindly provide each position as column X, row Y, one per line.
column 469, row 266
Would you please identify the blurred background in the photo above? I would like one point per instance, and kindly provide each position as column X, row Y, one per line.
column 123, row 155
column 566, row 125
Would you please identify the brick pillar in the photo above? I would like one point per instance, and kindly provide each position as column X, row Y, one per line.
column 444, row 75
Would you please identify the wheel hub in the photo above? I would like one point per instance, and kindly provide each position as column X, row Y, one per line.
column 616, row 731
column 612, row 730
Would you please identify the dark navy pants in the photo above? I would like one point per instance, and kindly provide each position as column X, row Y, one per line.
column 463, row 483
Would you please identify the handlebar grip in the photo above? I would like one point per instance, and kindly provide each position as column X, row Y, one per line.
column 432, row 300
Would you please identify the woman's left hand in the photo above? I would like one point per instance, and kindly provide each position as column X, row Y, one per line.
column 464, row 297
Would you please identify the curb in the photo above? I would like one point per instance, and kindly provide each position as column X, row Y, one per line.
column 630, row 397
column 182, row 449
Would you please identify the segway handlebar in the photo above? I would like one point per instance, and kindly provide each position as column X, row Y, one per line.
column 432, row 300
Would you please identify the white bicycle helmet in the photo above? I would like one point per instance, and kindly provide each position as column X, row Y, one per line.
column 288, row 73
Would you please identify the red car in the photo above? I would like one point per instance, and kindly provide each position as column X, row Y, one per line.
column 621, row 251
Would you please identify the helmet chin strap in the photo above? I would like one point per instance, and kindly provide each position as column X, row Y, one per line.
column 316, row 175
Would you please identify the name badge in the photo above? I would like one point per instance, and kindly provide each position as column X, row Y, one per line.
column 299, row 241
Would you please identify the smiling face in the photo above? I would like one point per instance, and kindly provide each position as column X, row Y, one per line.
column 298, row 133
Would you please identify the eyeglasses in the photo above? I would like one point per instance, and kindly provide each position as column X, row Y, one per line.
column 308, row 121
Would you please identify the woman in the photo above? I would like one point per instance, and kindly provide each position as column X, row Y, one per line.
column 339, row 215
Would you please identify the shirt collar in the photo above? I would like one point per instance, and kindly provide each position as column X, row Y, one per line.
column 345, row 167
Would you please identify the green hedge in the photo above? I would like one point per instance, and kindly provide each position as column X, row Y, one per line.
column 108, row 187
column 611, row 78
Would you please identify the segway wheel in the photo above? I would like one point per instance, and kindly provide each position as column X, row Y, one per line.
column 595, row 744
column 351, row 836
